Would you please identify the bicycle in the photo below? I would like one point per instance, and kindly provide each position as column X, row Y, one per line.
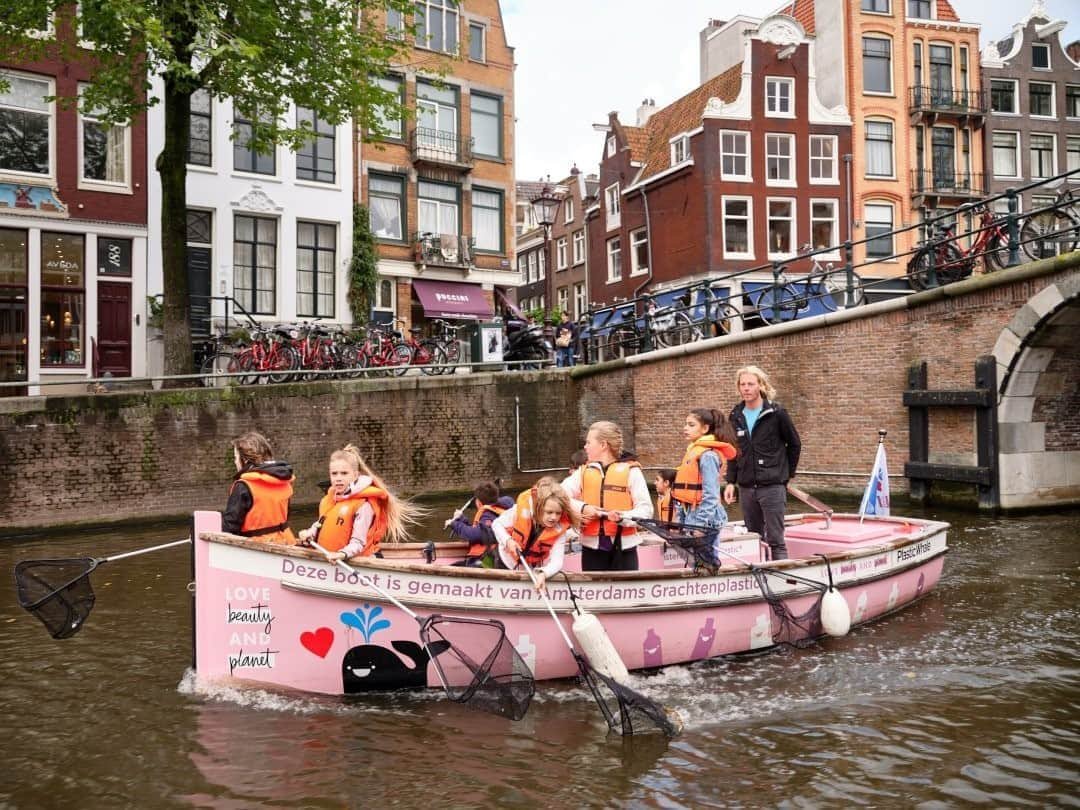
column 268, row 357
column 384, row 352
column 1053, row 231
column 427, row 353
column 783, row 301
column 445, row 334
column 669, row 325
column 953, row 264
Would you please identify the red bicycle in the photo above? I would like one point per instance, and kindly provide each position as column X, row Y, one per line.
column 426, row 353
column 384, row 352
column 950, row 263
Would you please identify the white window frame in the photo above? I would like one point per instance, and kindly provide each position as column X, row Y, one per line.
column 579, row 246
column 774, row 83
column 1068, row 86
column 680, row 149
column 1072, row 140
column 892, row 150
column 614, row 248
column 1017, row 159
column 611, row 146
column 793, row 229
column 892, row 227
column 562, row 298
column 560, row 253
column 731, row 254
column 568, row 209
column 1015, row 94
column 1049, row 62
column 541, row 264
column 834, row 254
column 638, row 238
column 532, row 273
column 834, row 179
column 1053, row 101
column 892, row 81
column 51, row 112
column 580, row 304
column 456, row 13
column 378, row 305
column 613, row 206
column 777, row 137
column 745, row 136
column 1053, row 154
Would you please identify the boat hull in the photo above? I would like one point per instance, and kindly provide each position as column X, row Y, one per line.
column 288, row 618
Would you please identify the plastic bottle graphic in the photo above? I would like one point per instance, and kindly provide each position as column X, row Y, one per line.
column 761, row 632
column 704, row 641
column 527, row 650
column 653, row 650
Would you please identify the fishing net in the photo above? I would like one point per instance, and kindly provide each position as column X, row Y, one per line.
column 698, row 545
column 479, row 666
column 788, row 628
column 626, row 710
column 57, row 591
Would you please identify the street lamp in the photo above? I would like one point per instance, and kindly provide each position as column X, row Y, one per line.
column 544, row 206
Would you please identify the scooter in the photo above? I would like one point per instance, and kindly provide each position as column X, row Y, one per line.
column 526, row 342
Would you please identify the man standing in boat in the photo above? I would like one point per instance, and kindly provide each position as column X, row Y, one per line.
column 769, row 449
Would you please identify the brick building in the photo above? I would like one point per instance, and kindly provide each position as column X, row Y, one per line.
column 440, row 186
column 73, row 224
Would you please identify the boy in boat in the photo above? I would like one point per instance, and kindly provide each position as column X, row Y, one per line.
column 358, row 512
column 665, row 506
column 478, row 532
column 258, row 505
column 537, row 527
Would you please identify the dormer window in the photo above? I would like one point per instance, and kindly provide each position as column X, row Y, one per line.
column 610, row 145
column 680, row 149
column 919, row 9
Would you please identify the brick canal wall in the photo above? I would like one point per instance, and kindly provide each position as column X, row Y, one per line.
column 118, row 456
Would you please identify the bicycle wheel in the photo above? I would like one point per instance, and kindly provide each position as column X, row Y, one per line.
column 949, row 265
column 622, row 342
column 282, row 364
column 723, row 318
column 1048, row 234
column 399, row 360
column 836, row 283
column 777, row 304
column 348, row 358
column 683, row 329
column 996, row 256
column 215, row 366
column 429, row 355
column 245, row 362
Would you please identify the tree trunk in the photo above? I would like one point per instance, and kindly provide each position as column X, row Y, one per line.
column 172, row 167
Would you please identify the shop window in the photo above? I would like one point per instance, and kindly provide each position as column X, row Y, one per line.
column 63, row 298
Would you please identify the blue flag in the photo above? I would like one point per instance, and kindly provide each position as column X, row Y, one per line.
column 875, row 500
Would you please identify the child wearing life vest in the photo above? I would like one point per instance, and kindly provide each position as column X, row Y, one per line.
column 358, row 512
column 478, row 532
column 696, row 490
column 258, row 505
column 665, row 506
column 537, row 527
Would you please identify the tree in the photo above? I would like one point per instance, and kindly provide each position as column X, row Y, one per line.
column 363, row 266
column 320, row 54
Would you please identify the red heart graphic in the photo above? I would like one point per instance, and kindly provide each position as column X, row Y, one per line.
column 318, row 642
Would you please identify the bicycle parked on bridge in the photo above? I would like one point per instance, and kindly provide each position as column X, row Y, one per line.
column 1053, row 231
column 950, row 263
column 783, row 301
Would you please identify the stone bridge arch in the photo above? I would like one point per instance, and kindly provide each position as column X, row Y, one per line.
column 1038, row 356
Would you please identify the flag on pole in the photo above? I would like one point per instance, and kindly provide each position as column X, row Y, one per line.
column 875, row 500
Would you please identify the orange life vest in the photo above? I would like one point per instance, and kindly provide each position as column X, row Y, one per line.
column 536, row 552
column 336, row 516
column 665, row 507
column 479, row 549
column 607, row 489
column 687, row 487
column 268, row 519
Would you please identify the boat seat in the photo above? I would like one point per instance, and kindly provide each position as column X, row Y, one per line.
column 846, row 532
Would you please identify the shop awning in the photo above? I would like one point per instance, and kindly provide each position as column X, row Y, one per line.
column 452, row 299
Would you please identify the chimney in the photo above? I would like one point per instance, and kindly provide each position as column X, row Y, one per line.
column 645, row 111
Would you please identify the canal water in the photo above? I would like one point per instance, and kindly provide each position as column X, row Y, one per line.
column 967, row 697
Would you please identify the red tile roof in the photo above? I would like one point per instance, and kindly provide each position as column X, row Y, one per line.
column 801, row 10
column 945, row 11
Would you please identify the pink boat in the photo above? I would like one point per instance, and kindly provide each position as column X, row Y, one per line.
column 287, row 617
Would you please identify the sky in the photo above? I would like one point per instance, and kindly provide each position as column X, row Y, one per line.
column 577, row 60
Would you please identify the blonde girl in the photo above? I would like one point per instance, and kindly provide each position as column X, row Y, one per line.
column 358, row 512
column 537, row 527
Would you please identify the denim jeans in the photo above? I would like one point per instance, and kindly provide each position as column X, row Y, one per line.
column 564, row 356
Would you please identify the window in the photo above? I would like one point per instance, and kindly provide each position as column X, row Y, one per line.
column 385, row 295
column 200, row 149
column 941, row 78
column 568, row 209
column 877, row 65
column 679, row 150
column 879, row 149
column 823, row 159
column 531, row 273
column 1040, row 56
column 523, row 266
column 1006, row 154
column 255, row 263
column 395, row 23
column 437, row 118
column 63, row 296
column 780, row 160
column 487, row 219
column 963, row 65
column 876, row 6
column 1072, row 100
column 780, row 98
column 390, row 126
column 561, row 262
column 610, row 145
column 611, row 196
column 579, row 300
column 316, row 159
column 104, row 156
column 614, row 260
column 438, row 207
column 541, row 264
column 477, row 51
column 316, row 252
column 734, row 155
column 436, row 25
column 919, row 9
column 14, row 282
column 943, row 144
column 563, row 297
column 781, row 224
column 579, row 247
column 486, row 123
column 879, row 224
column 26, row 126
column 1041, row 99
column 1072, row 156
column 1043, row 156
column 1003, row 96
column 386, row 206
column 824, row 227
column 245, row 157
column 639, row 252
column 738, row 243
column 917, row 68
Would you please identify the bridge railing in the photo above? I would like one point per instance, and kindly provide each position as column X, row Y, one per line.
column 996, row 232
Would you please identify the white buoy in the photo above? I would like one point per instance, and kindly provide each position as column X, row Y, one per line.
column 593, row 639
column 835, row 614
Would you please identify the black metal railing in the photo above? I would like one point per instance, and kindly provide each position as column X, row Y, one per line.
column 947, row 101
column 951, row 184
column 441, row 147
column 445, row 249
